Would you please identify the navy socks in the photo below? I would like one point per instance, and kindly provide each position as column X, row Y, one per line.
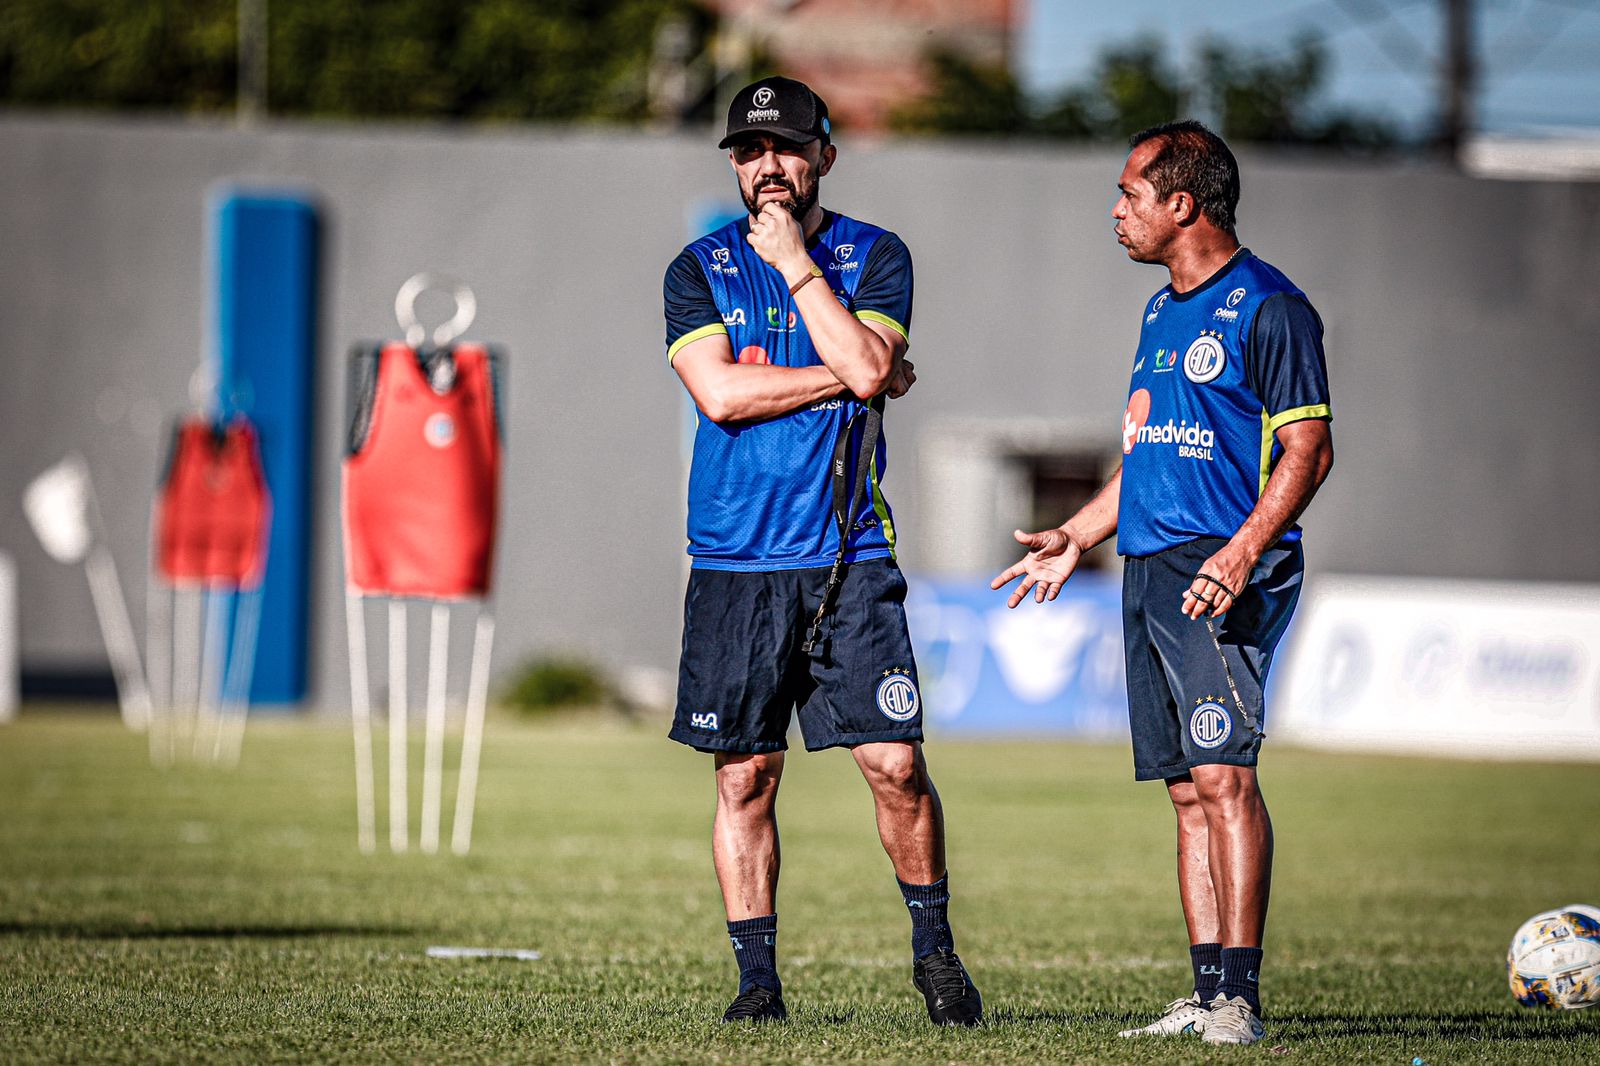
column 1241, row 975
column 1207, row 962
column 930, row 916
column 755, row 946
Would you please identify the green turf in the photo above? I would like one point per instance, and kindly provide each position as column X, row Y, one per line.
column 199, row 915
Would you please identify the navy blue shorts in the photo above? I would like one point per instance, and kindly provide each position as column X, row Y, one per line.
column 743, row 670
column 1180, row 709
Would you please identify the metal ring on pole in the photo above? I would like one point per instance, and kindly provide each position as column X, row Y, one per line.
column 405, row 309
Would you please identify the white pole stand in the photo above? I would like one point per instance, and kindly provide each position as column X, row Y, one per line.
column 433, row 761
column 472, row 742
column 399, row 790
column 361, row 722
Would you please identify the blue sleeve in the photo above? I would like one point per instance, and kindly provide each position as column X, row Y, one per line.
column 884, row 292
column 691, row 312
column 1284, row 361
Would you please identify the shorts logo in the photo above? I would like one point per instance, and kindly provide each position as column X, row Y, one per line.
column 707, row 720
column 439, row 430
column 1205, row 359
column 897, row 697
column 1209, row 725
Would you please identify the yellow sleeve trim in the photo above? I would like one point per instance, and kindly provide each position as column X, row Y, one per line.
column 692, row 336
column 1298, row 414
column 884, row 320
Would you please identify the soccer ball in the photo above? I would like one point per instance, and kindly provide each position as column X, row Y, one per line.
column 1554, row 959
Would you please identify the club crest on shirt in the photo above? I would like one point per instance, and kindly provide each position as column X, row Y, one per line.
column 1206, row 358
column 897, row 696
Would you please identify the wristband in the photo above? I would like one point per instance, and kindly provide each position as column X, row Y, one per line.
column 815, row 272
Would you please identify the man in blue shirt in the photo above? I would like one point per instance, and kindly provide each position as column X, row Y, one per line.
column 1225, row 440
column 789, row 328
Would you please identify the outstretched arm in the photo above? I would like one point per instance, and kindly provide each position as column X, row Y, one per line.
column 1053, row 554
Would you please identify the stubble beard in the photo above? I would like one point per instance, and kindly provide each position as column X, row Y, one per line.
column 799, row 203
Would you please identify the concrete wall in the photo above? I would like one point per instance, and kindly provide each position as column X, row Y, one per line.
column 1461, row 326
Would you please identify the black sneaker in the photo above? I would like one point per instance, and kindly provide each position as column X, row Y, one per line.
column 944, row 984
column 757, row 1005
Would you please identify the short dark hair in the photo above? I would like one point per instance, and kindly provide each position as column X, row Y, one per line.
column 1194, row 160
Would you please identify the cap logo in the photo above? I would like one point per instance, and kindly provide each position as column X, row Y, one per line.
column 763, row 96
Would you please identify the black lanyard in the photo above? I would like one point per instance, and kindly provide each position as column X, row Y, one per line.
column 847, row 494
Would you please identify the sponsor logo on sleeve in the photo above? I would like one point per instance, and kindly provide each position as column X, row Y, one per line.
column 897, row 696
column 1133, row 419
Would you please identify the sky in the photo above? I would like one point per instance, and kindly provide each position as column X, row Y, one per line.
column 1540, row 59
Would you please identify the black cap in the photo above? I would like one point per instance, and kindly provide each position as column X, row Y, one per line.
column 781, row 107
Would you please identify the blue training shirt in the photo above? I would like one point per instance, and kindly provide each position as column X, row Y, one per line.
column 760, row 492
column 1218, row 371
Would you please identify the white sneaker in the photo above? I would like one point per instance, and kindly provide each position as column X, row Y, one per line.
column 1233, row 1022
column 1183, row 1017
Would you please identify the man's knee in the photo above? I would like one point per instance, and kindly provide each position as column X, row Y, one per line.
column 748, row 780
column 1226, row 788
column 894, row 768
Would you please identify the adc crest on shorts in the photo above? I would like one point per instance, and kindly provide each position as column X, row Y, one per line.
column 1210, row 726
column 897, row 696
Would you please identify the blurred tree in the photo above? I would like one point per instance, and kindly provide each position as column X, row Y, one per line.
column 1259, row 97
column 1133, row 87
column 491, row 59
column 1255, row 96
column 966, row 97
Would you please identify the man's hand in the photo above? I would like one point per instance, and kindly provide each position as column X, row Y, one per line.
column 1051, row 558
column 1219, row 583
column 904, row 377
column 776, row 236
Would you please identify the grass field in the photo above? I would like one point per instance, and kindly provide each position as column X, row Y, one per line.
column 201, row 915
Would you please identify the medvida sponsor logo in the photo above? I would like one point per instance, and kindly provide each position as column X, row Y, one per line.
column 897, row 696
column 1209, row 724
column 734, row 317
column 707, row 720
column 1193, row 441
column 1156, row 310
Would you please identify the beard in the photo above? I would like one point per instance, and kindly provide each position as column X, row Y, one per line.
column 799, row 203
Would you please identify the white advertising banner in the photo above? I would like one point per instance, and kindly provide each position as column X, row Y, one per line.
column 1479, row 669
